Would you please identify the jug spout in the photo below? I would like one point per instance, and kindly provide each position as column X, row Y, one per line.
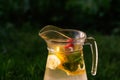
column 49, row 27
column 52, row 33
column 45, row 32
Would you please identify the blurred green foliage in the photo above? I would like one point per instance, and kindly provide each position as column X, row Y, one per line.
column 100, row 15
column 22, row 54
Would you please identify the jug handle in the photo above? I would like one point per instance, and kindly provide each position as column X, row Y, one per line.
column 91, row 41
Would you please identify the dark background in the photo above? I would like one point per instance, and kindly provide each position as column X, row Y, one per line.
column 23, row 53
column 100, row 15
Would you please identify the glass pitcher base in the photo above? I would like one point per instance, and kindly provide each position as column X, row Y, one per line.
column 61, row 75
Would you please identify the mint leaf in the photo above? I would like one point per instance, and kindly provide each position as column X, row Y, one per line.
column 74, row 57
column 70, row 66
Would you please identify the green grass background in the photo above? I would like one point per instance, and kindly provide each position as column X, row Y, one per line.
column 23, row 55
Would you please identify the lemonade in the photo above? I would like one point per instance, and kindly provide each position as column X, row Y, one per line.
column 66, row 59
column 73, row 63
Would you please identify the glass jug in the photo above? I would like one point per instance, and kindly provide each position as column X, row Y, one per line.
column 65, row 59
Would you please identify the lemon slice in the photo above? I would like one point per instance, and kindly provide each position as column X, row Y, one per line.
column 53, row 61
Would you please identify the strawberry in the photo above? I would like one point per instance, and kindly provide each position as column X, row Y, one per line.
column 69, row 45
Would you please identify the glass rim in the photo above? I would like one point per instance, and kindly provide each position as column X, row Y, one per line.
column 81, row 33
